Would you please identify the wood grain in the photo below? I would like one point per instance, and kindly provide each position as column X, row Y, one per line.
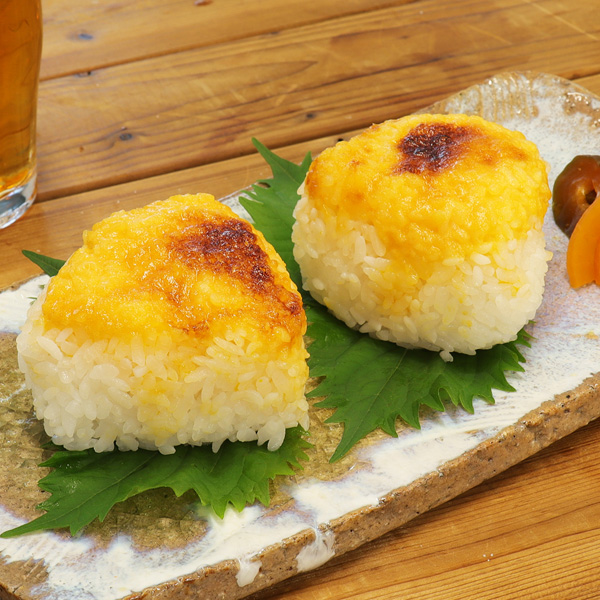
column 204, row 105
column 87, row 36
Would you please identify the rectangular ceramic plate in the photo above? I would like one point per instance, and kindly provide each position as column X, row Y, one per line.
column 173, row 549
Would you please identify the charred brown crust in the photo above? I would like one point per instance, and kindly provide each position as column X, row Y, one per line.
column 230, row 247
column 433, row 147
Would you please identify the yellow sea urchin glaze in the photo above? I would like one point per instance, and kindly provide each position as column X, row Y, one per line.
column 434, row 187
column 424, row 210
column 187, row 266
column 174, row 323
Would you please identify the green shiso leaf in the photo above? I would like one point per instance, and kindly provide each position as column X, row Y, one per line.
column 50, row 266
column 370, row 383
column 86, row 485
column 271, row 203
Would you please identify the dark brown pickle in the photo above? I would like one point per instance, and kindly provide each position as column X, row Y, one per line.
column 574, row 190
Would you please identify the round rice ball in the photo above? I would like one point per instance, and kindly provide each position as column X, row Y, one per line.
column 176, row 323
column 427, row 231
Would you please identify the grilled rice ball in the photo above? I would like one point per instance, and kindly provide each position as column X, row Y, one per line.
column 427, row 231
column 176, row 323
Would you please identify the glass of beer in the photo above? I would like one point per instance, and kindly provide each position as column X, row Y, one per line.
column 20, row 52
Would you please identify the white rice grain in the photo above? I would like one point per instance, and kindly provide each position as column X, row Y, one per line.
column 102, row 393
column 464, row 304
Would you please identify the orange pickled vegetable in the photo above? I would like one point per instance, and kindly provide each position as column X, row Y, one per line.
column 577, row 213
column 582, row 264
column 597, row 265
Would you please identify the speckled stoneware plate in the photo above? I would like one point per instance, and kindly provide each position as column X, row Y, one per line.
column 154, row 546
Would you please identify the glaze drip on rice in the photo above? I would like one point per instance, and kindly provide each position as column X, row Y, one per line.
column 427, row 232
column 176, row 323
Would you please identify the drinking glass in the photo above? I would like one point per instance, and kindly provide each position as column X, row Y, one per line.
column 20, row 52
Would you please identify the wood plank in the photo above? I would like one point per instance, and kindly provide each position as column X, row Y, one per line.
column 591, row 83
column 85, row 36
column 470, row 547
column 204, row 105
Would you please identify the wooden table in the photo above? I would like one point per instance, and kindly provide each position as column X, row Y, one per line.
column 142, row 100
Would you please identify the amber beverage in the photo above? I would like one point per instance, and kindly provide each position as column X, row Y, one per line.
column 20, row 52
